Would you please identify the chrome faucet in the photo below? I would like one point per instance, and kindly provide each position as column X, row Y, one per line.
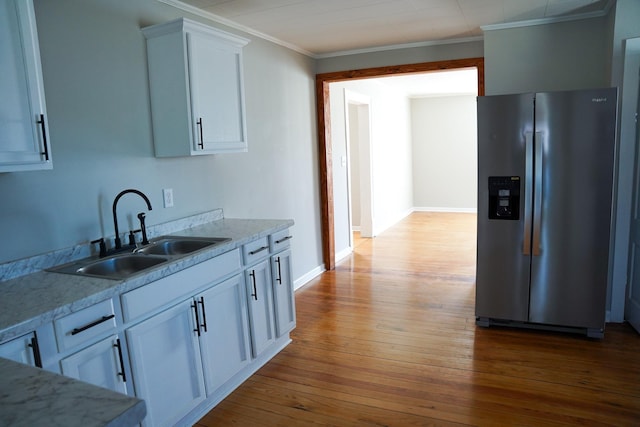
column 117, row 242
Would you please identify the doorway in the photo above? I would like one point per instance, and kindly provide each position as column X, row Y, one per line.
column 324, row 138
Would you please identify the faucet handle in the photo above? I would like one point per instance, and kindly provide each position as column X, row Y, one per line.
column 132, row 236
column 103, row 246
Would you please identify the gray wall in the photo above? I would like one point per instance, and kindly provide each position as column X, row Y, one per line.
column 445, row 161
column 559, row 56
column 95, row 77
column 415, row 55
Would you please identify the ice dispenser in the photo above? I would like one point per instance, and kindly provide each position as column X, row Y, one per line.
column 504, row 197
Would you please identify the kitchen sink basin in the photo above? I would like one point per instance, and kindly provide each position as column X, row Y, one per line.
column 125, row 265
column 115, row 267
column 174, row 245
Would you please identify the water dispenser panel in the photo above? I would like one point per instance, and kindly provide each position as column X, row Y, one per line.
column 504, row 197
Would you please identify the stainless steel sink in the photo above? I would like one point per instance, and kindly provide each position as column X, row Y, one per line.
column 125, row 265
column 176, row 245
column 115, row 267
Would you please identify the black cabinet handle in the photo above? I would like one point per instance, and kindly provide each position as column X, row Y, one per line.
column 255, row 291
column 119, row 347
column 103, row 319
column 257, row 251
column 43, row 129
column 201, row 142
column 195, row 309
column 279, row 279
column 37, row 359
column 284, row 239
column 204, row 314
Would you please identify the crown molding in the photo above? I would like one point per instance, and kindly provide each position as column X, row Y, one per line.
column 551, row 20
column 232, row 24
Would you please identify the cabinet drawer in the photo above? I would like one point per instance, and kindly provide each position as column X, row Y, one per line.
column 178, row 285
column 255, row 251
column 84, row 325
column 280, row 240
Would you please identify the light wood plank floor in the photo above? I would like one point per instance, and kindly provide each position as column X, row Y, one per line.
column 389, row 339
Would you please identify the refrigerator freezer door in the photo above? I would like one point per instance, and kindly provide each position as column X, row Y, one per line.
column 575, row 136
column 502, row 274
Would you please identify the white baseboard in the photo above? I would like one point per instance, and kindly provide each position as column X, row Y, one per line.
column 445, row 209
column 306, row 278
column 355, row 228
column 343, row 254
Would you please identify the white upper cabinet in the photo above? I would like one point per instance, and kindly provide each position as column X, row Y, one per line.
column 24, row 143
column 196, row 88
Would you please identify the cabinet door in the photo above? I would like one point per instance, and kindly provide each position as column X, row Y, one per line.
column 224, row 343
column 23, row 349
column 101, row 364
column 259, row 295
column 215, row 78
column 166, row 364
column 283, row 296
column 23, row 124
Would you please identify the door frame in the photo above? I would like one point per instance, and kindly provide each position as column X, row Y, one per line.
column 324, row 130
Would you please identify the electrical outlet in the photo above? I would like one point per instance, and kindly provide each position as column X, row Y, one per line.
column 167, row 197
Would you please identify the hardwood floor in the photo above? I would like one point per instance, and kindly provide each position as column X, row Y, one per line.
column 389, row 339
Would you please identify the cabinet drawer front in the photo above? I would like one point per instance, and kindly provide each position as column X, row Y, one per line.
column 280, row 240
column 178, row 285
column 84, row 325
column 255, row 251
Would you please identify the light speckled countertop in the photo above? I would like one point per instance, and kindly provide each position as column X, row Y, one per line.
column 34, row 299
column 33, row 397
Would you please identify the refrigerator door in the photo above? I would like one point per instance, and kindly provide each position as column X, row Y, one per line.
column 505, row 124
column 574, row 145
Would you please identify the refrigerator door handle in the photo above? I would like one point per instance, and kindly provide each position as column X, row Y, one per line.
column 537, row 197
column 528, row 192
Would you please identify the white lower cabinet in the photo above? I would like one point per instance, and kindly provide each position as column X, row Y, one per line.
column 261, row 310
column 23, row 349
column 166, row 364
column 224, row 339
column 283, row 296
column 100, row 364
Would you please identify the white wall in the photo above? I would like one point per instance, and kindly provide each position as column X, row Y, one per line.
column 444, row 153
column 391, row 156
column 96, row 85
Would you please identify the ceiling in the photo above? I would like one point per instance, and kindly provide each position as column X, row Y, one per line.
column 326, row 27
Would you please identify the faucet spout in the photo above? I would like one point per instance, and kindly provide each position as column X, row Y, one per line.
column 118, row 243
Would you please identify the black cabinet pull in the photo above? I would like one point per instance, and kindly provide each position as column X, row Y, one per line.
column 45, row 153
column 279, row 279
column 201, row 142
column 37, row 359
column 204, row 314
column 103, row 319
column 257, row 251
column 255, row 291
column 119, row 347
column 195, row 309
column 284, row 239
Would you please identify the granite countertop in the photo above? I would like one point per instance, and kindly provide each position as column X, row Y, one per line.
column 30, row 396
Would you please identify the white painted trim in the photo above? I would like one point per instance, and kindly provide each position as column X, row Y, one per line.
column 229, row 23
column 551, row 20
column 355, row 228
column 397, row 46
column 307, row 277
column 445, row 209
column 343, row 254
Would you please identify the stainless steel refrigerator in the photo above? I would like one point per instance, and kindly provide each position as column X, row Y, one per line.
column 545, row 179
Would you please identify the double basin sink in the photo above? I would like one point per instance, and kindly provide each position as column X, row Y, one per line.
column 124, row 265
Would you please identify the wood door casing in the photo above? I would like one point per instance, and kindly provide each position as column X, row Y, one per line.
column 324, row 129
